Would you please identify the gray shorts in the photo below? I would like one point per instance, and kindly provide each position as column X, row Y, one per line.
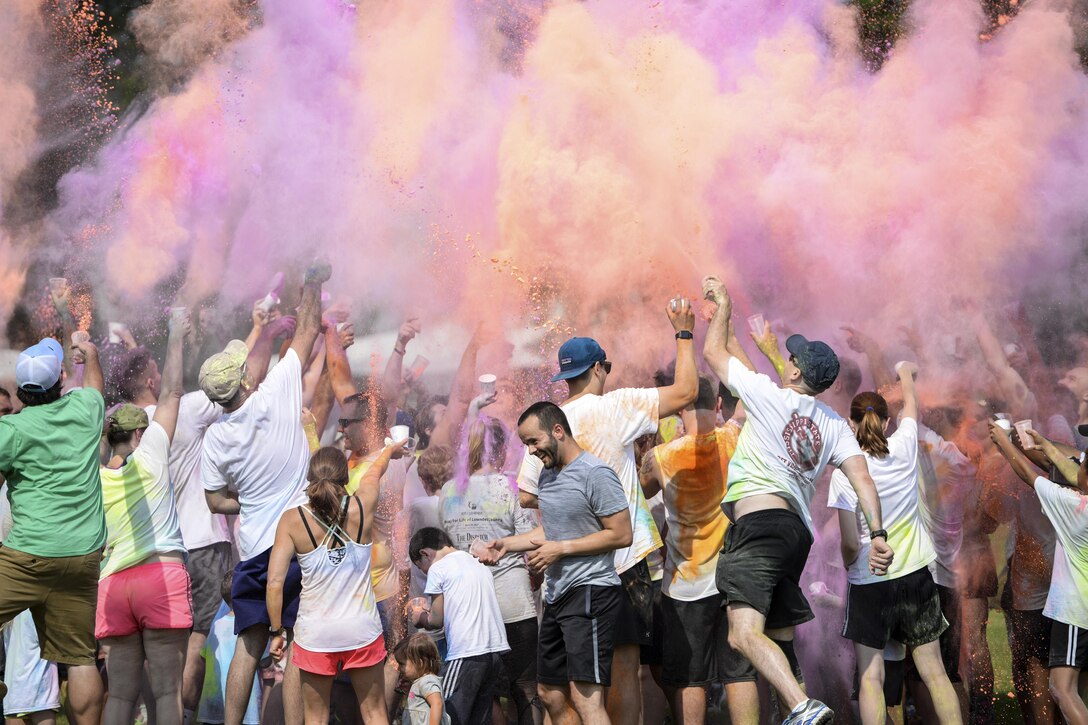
column 207, row 567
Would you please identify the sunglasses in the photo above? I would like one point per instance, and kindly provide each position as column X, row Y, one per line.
column 345, row 422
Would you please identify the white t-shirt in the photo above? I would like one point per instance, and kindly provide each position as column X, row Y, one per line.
column 787, row 441
column 608, row 426
column 896, row 479
column 486, row 507
column 1067, row 509
column 261, row 451
column 199, row 526
column 471, row 616
column 946, row 477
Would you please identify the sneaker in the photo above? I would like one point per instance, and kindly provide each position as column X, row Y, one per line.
column 810, row 712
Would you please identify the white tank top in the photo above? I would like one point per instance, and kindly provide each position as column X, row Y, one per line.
column 336, row 611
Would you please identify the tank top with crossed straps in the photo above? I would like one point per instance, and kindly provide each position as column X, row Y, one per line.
column 336, row 611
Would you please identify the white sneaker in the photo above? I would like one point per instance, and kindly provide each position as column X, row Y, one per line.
column 810, row 712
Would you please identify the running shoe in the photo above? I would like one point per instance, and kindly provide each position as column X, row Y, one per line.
column 810, row 712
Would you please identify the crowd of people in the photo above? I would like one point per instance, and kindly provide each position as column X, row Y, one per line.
column 293, row 543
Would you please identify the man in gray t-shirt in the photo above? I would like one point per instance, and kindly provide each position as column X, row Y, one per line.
column 585, row 519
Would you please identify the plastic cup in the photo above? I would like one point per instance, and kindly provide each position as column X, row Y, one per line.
column 418, row 366
column 478, row 548
column 116, row 328
column 1022, row 428
column 177, row 314
column 757, row 324
column 900, row 364
column 398, row 433
column 1003, row 423
column 269, row 302
column 487, row 383
column 57, row 284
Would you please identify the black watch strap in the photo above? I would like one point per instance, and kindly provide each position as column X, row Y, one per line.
column 685, row 335
column 879, row 533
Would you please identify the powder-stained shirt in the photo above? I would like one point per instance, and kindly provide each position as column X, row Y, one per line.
column 199, row 526
column 260, row 449
column 49, row 457
column 608, row 426
column 141, row 517
column 896, row 479
column 946, row 476
column 694, row 471
column 471, row 617
column 1067, row 510
column 572, row 504
column 486, row 507
column 787, row 441
column 383, row 569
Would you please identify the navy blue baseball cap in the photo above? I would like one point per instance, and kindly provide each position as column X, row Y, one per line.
column 818, row 363
column 577, row 355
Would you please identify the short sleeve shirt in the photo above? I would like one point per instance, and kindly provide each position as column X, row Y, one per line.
column 49, row 457
column 1067, row 601
column 471, row 617
column 572, row 505
column 607, row 426
column 787, row 441
column 141, row 517
column 896, row 479
column 260, row 450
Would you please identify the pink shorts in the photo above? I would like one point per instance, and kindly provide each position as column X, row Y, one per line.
column 148, row 596
column 329, row 663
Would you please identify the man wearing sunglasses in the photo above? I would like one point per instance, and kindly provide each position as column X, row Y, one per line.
column 607, row 425
column 254, row 465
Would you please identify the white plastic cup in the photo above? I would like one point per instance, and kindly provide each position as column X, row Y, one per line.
column 757, row 324
column 57, row 285
column 398, row 433
column 269, row 302
column 1003, row 423
column 487, row 383
column 177, row 314
column 116, row 328
column 899, row 366
column 1022, row 428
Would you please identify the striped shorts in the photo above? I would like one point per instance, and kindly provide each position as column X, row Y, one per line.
column 1068, row 646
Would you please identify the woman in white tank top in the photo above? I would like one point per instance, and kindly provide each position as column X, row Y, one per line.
column 338, row 627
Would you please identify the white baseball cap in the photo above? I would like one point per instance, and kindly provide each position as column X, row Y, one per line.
column 39, row 366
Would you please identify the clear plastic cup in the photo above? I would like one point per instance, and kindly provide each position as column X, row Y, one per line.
column 1022, row 428
column 757, row 324
column 487, row 383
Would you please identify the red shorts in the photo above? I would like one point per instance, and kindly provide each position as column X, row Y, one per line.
column 148, row 596
column 329, row 663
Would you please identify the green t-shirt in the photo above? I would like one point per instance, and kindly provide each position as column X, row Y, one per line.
column 49, row 456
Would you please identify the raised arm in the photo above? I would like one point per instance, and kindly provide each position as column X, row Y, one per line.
column 768, row 345
column 87, row 353
column 906, row 373
column 308, row 324
column 336, row 361
column 461, row 395
column 878, row 365
column 685, row 386
column 393, row 377
column 1061, row 457
column 716, row 350
column 857, row 472
column 1013, row 388
column 173, row 369
column 1020, row 464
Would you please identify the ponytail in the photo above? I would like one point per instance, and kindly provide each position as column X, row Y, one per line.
column 869, row 412
column 327, row 476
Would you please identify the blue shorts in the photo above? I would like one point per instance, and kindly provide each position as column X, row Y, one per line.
column 247, row 592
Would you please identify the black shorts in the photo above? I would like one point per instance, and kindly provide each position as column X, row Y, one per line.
column 519, row 662
column 651, row 654
column 1029, row 634
column 634, row 624
column 247, row 592
column 906, row 609
column 576, row 636
column 208, row 566
column 696, row 647
column 761, row 564
column 468, row 687
column 1068, row 646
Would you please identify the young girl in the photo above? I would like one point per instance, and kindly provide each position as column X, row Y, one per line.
column 902, row 604
column 418, row 659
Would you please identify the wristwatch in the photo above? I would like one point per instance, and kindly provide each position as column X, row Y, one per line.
column 277, row 632
column 882, row 533
column 685, row 335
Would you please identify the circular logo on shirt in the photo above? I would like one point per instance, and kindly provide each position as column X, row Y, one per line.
column 803, row 442
column 337, row 555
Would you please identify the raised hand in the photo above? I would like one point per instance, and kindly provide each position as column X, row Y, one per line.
column 407, row 332
column 319, row 272
column 680, row 313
